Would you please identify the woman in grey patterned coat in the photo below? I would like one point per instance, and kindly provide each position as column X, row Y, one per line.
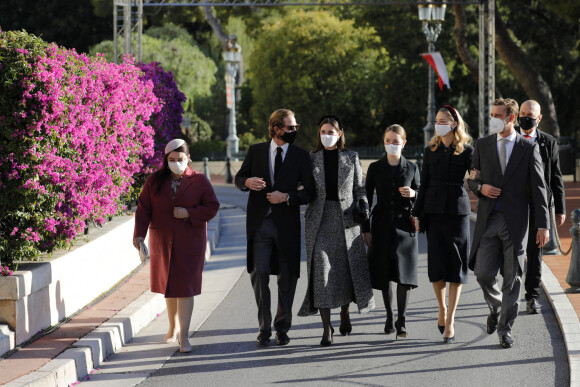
column 338, row 272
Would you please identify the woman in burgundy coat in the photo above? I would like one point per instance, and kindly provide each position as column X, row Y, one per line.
column 175, row 204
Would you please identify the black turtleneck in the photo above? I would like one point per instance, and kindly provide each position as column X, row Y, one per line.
column 331, row 173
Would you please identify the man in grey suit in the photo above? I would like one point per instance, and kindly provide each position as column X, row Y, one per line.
column 507, row 175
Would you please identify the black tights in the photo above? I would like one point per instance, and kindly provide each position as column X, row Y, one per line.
column 403, row 292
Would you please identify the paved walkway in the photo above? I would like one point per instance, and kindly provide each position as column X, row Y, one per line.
column 33, row 362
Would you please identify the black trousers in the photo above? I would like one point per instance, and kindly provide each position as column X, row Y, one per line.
column 534, row 266
column 266, row 248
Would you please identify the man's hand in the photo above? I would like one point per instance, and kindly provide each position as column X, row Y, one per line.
column 276, row 197
column 490, row 191
column 180, row 213
column 560, row 218
column 543, row 237
column 136, row 241
column 367, row 238
column 475, row 174
column 255, row 183
column 407, row 192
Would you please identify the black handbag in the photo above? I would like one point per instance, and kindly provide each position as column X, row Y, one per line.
column 360, row 212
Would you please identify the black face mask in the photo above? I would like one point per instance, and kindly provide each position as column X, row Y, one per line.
column 289, row 137
column 527, row 123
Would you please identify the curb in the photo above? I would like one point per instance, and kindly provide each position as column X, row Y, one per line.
column 87, row 354
column 566, row 316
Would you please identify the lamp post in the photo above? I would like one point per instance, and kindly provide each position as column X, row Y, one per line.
column 432, row 15
column 232, row 57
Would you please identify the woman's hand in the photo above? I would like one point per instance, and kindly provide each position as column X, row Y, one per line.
column 407, row 192
column 180, row 213
column 475, row 174
column 415, row 222
column 136, row 241
column 367, row 238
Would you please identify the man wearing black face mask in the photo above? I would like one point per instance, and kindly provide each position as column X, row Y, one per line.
column 278, row 176
column 529, row 118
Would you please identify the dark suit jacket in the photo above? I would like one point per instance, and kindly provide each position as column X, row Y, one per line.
column 442, row 188
column 552, row 174
column 522, row 183
column 296, row 170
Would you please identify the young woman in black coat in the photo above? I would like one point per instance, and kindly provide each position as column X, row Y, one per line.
column 391, row 235
column 443, row 207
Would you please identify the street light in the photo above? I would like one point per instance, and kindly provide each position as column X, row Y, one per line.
column 432, row 15
column 232, row 57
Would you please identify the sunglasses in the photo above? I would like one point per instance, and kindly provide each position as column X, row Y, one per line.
column 293, row 127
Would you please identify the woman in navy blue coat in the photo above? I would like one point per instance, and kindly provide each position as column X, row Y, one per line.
column 443, row 207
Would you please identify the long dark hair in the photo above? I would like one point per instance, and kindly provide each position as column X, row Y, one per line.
column 335, row 122
column 163, row 173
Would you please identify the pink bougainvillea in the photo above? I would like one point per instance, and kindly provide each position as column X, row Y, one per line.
column 74, row 131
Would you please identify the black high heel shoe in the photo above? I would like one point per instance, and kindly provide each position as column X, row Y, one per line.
column 448, row 340
column 400, row 326
column 345, row 325
column 389, row 326
column 324, row 342
column 441, row 328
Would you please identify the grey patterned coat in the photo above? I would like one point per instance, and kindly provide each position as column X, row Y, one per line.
column 350, row 191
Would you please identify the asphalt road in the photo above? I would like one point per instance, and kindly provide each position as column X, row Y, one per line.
column 225, row 353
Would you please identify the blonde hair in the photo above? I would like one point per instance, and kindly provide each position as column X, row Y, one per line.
column 461, row 136
column 511, row 106
column 277, row 119
column 397, row 129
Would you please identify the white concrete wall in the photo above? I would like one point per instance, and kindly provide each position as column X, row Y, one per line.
column 40, row 294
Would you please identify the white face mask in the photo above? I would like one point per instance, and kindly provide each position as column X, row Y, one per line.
column 328, row 140
column 496, row 125
column 178, row 167
column 393, row 149
column 442, row 130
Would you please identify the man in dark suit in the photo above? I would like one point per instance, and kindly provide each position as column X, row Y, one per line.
column 529, row 118
column 510, row 176
column 278, row 175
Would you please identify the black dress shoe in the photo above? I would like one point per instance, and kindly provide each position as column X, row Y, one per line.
column 506, row 341
column 282, row 338
column 492, row 322
column 389, row 328
column 263, row 340
column 345, row 325
column 400, row 326
column 325, row 342
column 533, row 306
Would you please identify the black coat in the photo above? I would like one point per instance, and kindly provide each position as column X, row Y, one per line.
column 442, row 188
column 296, row 170
column 552, row 174
column 393, row 255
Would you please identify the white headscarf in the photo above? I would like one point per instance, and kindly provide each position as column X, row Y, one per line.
column 173, row 145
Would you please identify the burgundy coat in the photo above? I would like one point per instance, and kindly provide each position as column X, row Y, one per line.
column 176, row 246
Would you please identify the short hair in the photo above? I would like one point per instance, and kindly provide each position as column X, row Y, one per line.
column 336, row 124
column 277, row 119
column 397, row 129
column 511, row 106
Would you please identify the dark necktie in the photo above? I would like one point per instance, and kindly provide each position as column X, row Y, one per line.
column 277, row 162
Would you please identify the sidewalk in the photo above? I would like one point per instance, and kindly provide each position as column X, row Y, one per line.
column 78, row 348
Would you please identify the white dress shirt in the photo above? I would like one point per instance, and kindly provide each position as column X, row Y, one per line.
column 273, row 151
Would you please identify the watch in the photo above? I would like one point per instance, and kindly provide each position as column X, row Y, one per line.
column 287, row 199
column 479, row 188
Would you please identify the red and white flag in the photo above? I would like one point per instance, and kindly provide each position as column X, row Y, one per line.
column 436, row 61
